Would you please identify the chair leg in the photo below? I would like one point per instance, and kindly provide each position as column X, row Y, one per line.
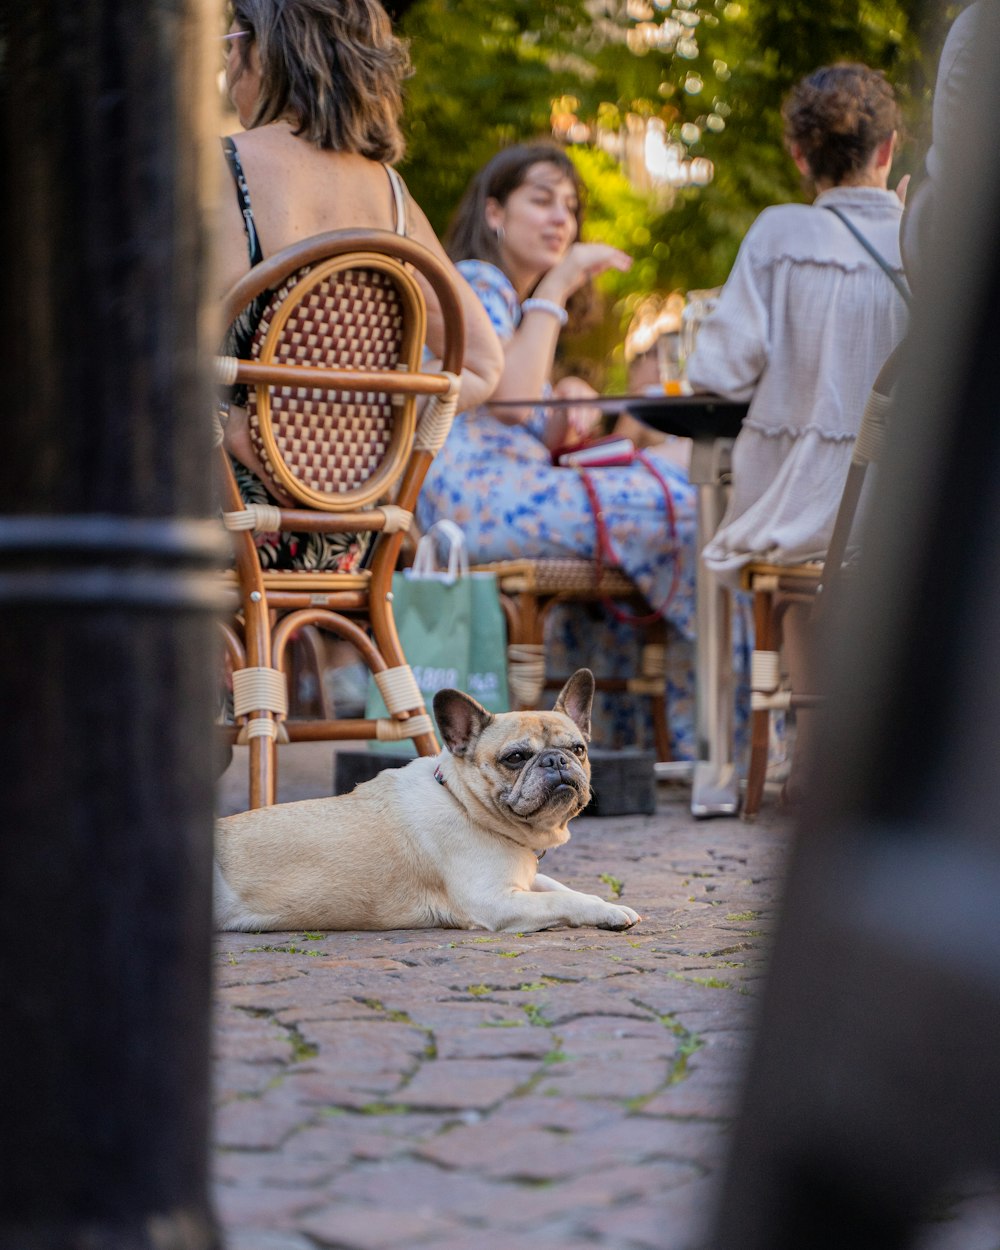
column 386, row 636
column 765, row 640
column 526, row 652
column 262, row 749
column 661, row 732
column 263, row 772
column 654, row 667
column 308, row 657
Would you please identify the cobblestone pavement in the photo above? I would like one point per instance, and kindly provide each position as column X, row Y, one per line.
column 471, row 1091
column 462, row 1089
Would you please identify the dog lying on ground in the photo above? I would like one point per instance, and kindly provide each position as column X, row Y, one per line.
column 451, row 842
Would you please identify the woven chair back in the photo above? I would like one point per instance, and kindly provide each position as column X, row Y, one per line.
column 338, row 450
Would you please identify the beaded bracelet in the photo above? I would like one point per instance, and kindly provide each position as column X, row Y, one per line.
column 546, row 306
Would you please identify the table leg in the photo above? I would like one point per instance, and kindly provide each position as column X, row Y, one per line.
column 715, row 787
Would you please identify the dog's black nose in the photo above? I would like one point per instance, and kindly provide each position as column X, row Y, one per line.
column 554, row 759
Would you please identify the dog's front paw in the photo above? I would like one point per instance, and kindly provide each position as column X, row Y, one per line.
column 618, row 917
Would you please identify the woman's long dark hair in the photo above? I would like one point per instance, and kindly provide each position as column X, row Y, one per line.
column 468, row 237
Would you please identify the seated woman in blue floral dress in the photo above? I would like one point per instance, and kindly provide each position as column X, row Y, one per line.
column 515, row 238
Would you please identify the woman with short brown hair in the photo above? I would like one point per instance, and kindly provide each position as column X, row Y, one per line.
column 335, row 69
column 810, row 312
column 805, row 321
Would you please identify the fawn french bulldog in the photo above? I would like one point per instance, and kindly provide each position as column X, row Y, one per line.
column 451, row 842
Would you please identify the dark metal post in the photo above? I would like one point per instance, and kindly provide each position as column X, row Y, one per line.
column 106, row 638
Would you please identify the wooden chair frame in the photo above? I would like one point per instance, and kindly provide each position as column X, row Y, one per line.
column 529, row 589
column 356, row 607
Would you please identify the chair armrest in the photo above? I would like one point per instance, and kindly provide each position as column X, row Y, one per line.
column 266, row 519
column 230, row 370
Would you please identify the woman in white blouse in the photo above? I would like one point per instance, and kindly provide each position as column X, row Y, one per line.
column 803, row 325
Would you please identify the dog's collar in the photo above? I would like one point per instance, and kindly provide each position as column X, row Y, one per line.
column 439, row 778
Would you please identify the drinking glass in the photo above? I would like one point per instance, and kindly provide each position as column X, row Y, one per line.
column 670, row 365
column 698, row 306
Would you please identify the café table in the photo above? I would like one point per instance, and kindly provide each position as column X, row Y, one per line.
column 711, row 423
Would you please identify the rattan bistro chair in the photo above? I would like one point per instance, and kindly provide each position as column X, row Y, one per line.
column 775, row 587
column 529, row 589
column 333, row 380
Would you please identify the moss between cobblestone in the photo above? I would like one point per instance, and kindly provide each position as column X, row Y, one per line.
column 301, row 1049
column 535, row 1017
column 549, row 1060
column 290, row 949
column 430, row 1050
column 711, row 983
column 688, row 1043
column 614, row 884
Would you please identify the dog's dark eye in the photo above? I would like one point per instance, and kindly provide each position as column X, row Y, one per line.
column 579, row 749
column 515, row 759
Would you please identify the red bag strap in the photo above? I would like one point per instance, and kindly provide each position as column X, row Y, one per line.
column 604, row 548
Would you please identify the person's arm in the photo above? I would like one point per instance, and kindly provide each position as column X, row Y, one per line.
column 531, row 350
column 570, row 425
column 483, row 360
column 732, row 347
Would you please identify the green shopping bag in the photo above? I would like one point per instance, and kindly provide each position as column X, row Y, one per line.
column 451, row 627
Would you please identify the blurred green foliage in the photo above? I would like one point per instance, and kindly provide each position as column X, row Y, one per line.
column 487, row 74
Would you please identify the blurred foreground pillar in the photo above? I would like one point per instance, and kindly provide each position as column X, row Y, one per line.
column 106, row 636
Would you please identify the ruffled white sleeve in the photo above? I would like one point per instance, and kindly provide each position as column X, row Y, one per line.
column 733, row 343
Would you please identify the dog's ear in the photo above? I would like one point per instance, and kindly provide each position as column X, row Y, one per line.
column 461, row 720
column 575, row 700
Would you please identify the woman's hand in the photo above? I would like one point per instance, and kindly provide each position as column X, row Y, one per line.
column 582, row 262
column 236, row 440
column 581, row 419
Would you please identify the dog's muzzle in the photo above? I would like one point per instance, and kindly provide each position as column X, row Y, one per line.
column 555, row 779
column 559, row 772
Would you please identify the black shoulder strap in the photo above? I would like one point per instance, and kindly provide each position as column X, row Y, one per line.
column 243, row 199
column 874, row 253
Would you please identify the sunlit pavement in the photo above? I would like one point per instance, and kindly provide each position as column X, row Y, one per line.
column 461, row 1090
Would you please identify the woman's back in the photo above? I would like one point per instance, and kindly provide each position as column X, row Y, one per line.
column 808, row 315
column 805, row 321
column 316, row 85
column 296, row 191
